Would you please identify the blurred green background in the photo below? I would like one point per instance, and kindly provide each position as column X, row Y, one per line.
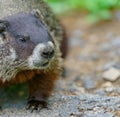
column 96, row 9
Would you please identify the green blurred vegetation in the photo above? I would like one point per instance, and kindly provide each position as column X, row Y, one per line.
column 97, row 9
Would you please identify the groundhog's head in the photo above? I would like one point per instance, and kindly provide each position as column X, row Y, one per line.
column 26, row 38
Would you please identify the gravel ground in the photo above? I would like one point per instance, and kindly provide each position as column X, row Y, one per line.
column 91, row 86
column 71, row 106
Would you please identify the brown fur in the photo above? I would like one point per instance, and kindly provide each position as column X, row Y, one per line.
column 28, row 75
column 43, row 84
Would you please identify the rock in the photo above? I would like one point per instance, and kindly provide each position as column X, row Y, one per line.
column 107, row 84
column 77, row 90
column 89, row 83
column 111, row 74
column 110, row 64
column 109, row 89
column 100, row 92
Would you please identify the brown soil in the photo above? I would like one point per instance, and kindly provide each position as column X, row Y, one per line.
column 94, row 36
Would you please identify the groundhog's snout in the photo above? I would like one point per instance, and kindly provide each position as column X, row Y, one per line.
column 48, row 51
column 42, row 55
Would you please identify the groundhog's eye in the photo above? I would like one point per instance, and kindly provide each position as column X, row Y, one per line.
column 22, row 38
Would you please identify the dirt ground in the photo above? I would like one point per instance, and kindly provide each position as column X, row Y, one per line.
column 93, row 48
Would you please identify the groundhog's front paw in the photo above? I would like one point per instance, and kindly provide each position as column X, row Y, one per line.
column 34, row 104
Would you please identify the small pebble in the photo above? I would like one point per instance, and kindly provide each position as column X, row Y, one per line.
column 111, row 74
column 109, row 89
column 89, row 83
column 107, row 84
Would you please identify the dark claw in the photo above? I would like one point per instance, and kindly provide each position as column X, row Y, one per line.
column 35, row 105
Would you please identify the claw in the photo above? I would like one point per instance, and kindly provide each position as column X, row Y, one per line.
column 35, row 105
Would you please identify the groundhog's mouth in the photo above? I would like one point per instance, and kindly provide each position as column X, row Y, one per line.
column 40, row 64
column 45, row 64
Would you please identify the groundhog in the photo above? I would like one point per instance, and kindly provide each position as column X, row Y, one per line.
column 29, row 53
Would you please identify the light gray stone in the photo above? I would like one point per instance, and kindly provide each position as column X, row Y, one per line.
column 111, row 74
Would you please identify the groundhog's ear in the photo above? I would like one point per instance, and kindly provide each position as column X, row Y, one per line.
column 36, row 13
column 3, row 25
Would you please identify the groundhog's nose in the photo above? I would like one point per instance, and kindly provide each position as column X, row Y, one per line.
column 48, row 51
